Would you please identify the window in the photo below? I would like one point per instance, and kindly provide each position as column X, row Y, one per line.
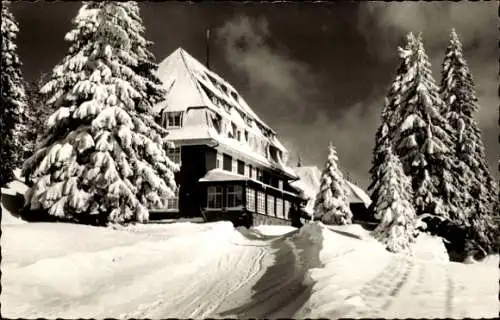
column 241, row 167
column 234, row 95
column 266, row 177
column 173, row 202
column 250, row 199
column 214, row 197
column 224, row 88
column 261, row 204
column 235, row 131
column 250, row 171
column 259, row 173
column 227, row 163
column 234, row 196
column 280, row 184
column 270, row 205
column 238, row 135
column 174, row 154
column 279, row 208
column 287, row 209
column 234, row 166
column 216, row 122
column 219, row 161
column 246, row 135
column 172, row 119
column 273, row 152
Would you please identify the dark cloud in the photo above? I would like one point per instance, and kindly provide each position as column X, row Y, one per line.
column 280, row 82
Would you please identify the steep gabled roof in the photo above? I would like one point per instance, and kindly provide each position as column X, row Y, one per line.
column 186, row 81
column 202, row 95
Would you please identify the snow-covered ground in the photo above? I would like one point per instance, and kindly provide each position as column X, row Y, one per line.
column 199, row 270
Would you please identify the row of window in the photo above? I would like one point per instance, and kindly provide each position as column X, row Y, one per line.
column 255, row 200
column 171, row 120
column 226, row 162
column 215, row 195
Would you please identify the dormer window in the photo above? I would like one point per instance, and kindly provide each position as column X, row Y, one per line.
column 234, row 95
column 224, row 88
column 172, row 119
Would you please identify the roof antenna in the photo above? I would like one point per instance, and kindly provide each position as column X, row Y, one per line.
column 299, row 161
column 207, row 44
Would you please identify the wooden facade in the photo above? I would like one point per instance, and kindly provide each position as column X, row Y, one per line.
column 247, row 202
column 244, row 200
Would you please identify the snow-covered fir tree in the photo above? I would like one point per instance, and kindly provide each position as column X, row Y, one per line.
column 394, row 207
column 102, row 158
column 393, row 101
column 13, row 98
column 423, row 139
column 457, row 89
column 332, row 204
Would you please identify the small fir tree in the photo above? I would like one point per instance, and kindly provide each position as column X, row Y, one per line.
column 394, row 208
column 13, row 99
column 102, row 158
column 332, row 205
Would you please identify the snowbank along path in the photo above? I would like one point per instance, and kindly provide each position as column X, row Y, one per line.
column 192, row 270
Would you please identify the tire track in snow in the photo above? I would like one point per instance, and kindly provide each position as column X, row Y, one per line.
column 198, row 299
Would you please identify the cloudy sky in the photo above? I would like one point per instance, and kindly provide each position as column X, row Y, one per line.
column 315, row 72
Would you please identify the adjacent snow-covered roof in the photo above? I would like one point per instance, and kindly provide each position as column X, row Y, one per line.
column 358, row 194
column 211, row 107
column 309, row 182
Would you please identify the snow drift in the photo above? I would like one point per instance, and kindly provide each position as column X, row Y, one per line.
column 200, row 270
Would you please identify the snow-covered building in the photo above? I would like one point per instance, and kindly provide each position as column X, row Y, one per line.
column 232, row 162
column 309, row 183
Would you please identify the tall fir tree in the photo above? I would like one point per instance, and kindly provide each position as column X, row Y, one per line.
column 394, row 207
column 393, row 101
column 102, row 158
column 13, row 98
column 457, row 89
column 423, row 140
column 332, row 205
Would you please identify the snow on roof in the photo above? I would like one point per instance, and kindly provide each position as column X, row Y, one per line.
column 194, row 126
column 216, row 175
column 310, row 180
column 187, row 80
column 223, row 175
column 189, row 84
column 359, row 194
column 235, row 147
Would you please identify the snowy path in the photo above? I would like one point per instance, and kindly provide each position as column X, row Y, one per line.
column 188, row 270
